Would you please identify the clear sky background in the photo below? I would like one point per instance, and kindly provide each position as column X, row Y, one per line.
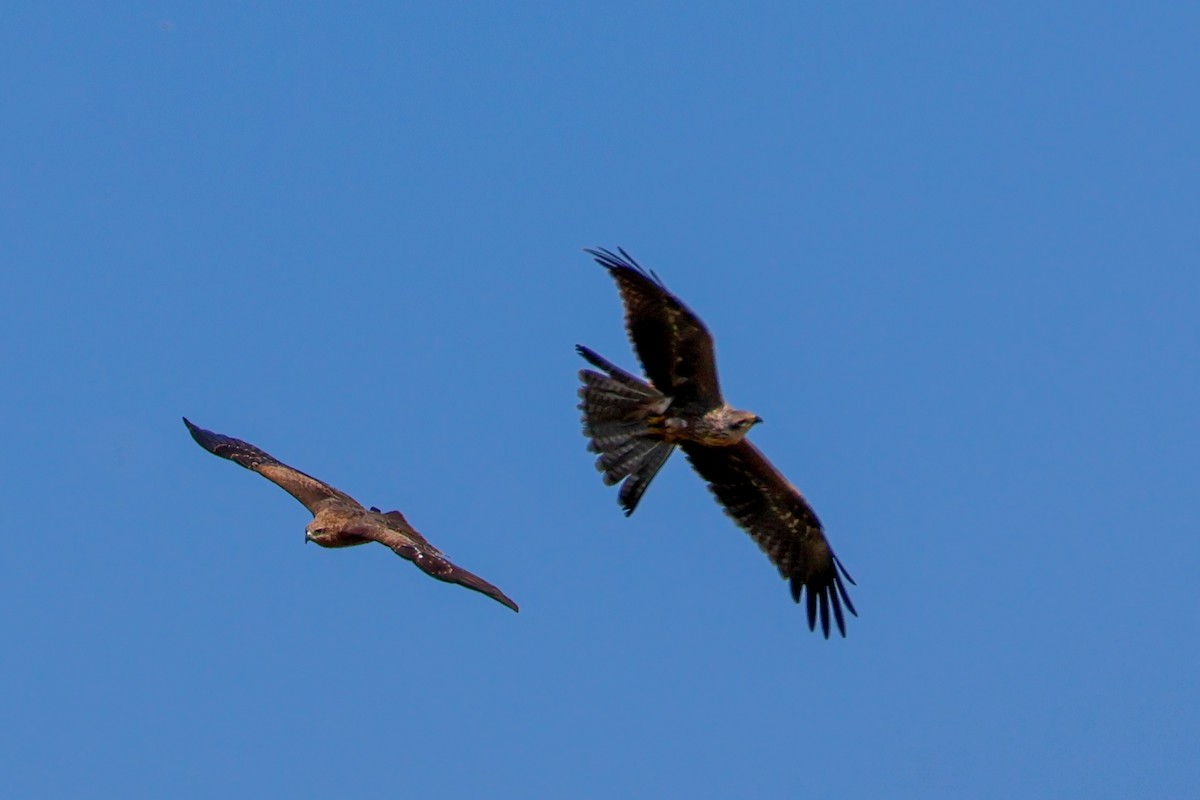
column 948, row 252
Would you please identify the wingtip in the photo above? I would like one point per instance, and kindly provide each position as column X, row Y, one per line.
column 818, row 607
column 621, row 260
column 842, row 569
column 198, row 433
column 195, row 430
column 494, row 593
column 610, row 260
column 207, row 439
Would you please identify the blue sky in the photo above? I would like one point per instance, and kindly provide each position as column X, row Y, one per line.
column 948, row 252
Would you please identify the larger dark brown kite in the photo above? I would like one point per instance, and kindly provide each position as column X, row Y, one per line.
column 635, row 426
column 339, row 520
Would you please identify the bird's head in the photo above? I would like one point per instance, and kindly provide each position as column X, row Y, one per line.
column 740, row 422
column 317, row 532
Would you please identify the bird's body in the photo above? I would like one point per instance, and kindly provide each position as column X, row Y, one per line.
column 332, row 522
column 717, row 427
column 635, row 425
column 341, row 521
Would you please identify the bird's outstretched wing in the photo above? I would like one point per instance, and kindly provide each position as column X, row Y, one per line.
column 762, row 501
column 305, row 488
column 393, row 531
column 675, row 348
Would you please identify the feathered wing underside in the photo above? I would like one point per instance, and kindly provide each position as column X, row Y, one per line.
column 393, row 531
column 615, row 407
column 762, row 502
column 305, row 488
column 675, row 348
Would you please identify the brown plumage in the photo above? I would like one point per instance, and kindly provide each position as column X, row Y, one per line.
column 341, row 521
column 635, row 426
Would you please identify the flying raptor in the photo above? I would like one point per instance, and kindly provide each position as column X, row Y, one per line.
column 635, row 426
column 341, row 521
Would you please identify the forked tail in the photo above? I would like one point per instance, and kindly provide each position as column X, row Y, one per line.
column 615, row 409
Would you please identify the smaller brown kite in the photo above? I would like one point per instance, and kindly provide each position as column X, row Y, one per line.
column 341, row 521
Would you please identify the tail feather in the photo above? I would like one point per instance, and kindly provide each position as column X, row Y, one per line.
column 620, row 462
column 609, row 398
column 615, row 409
column 618, row 374
column 633, row 489
column 606, row 436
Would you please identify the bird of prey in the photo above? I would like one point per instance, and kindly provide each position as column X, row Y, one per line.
column 635, row 426
column 341, row 521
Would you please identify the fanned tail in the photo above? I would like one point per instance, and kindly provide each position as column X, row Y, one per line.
column 615, row 409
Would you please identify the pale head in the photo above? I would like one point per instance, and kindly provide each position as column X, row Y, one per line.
column 740, row 423
column 722, row 426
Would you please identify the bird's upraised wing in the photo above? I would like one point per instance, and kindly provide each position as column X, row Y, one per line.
column 392, row 530
column 305, row 488
column 675, row 348
column 762, row 501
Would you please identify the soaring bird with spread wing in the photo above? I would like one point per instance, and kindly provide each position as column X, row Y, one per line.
column 635, row 426
column 341, row 521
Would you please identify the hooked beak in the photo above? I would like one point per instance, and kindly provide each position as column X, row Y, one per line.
column 758, row 420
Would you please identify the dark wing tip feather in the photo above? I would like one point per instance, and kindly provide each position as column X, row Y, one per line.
column 210, row 441
column 837, row 613
column 823, row 596
column 198, row 433
column 504, row 599
column 843, row 570
column 235, row 450
column 841, row 590
column 471, row 581
column 614, row 262
column 438, row 566
column 819, row 597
